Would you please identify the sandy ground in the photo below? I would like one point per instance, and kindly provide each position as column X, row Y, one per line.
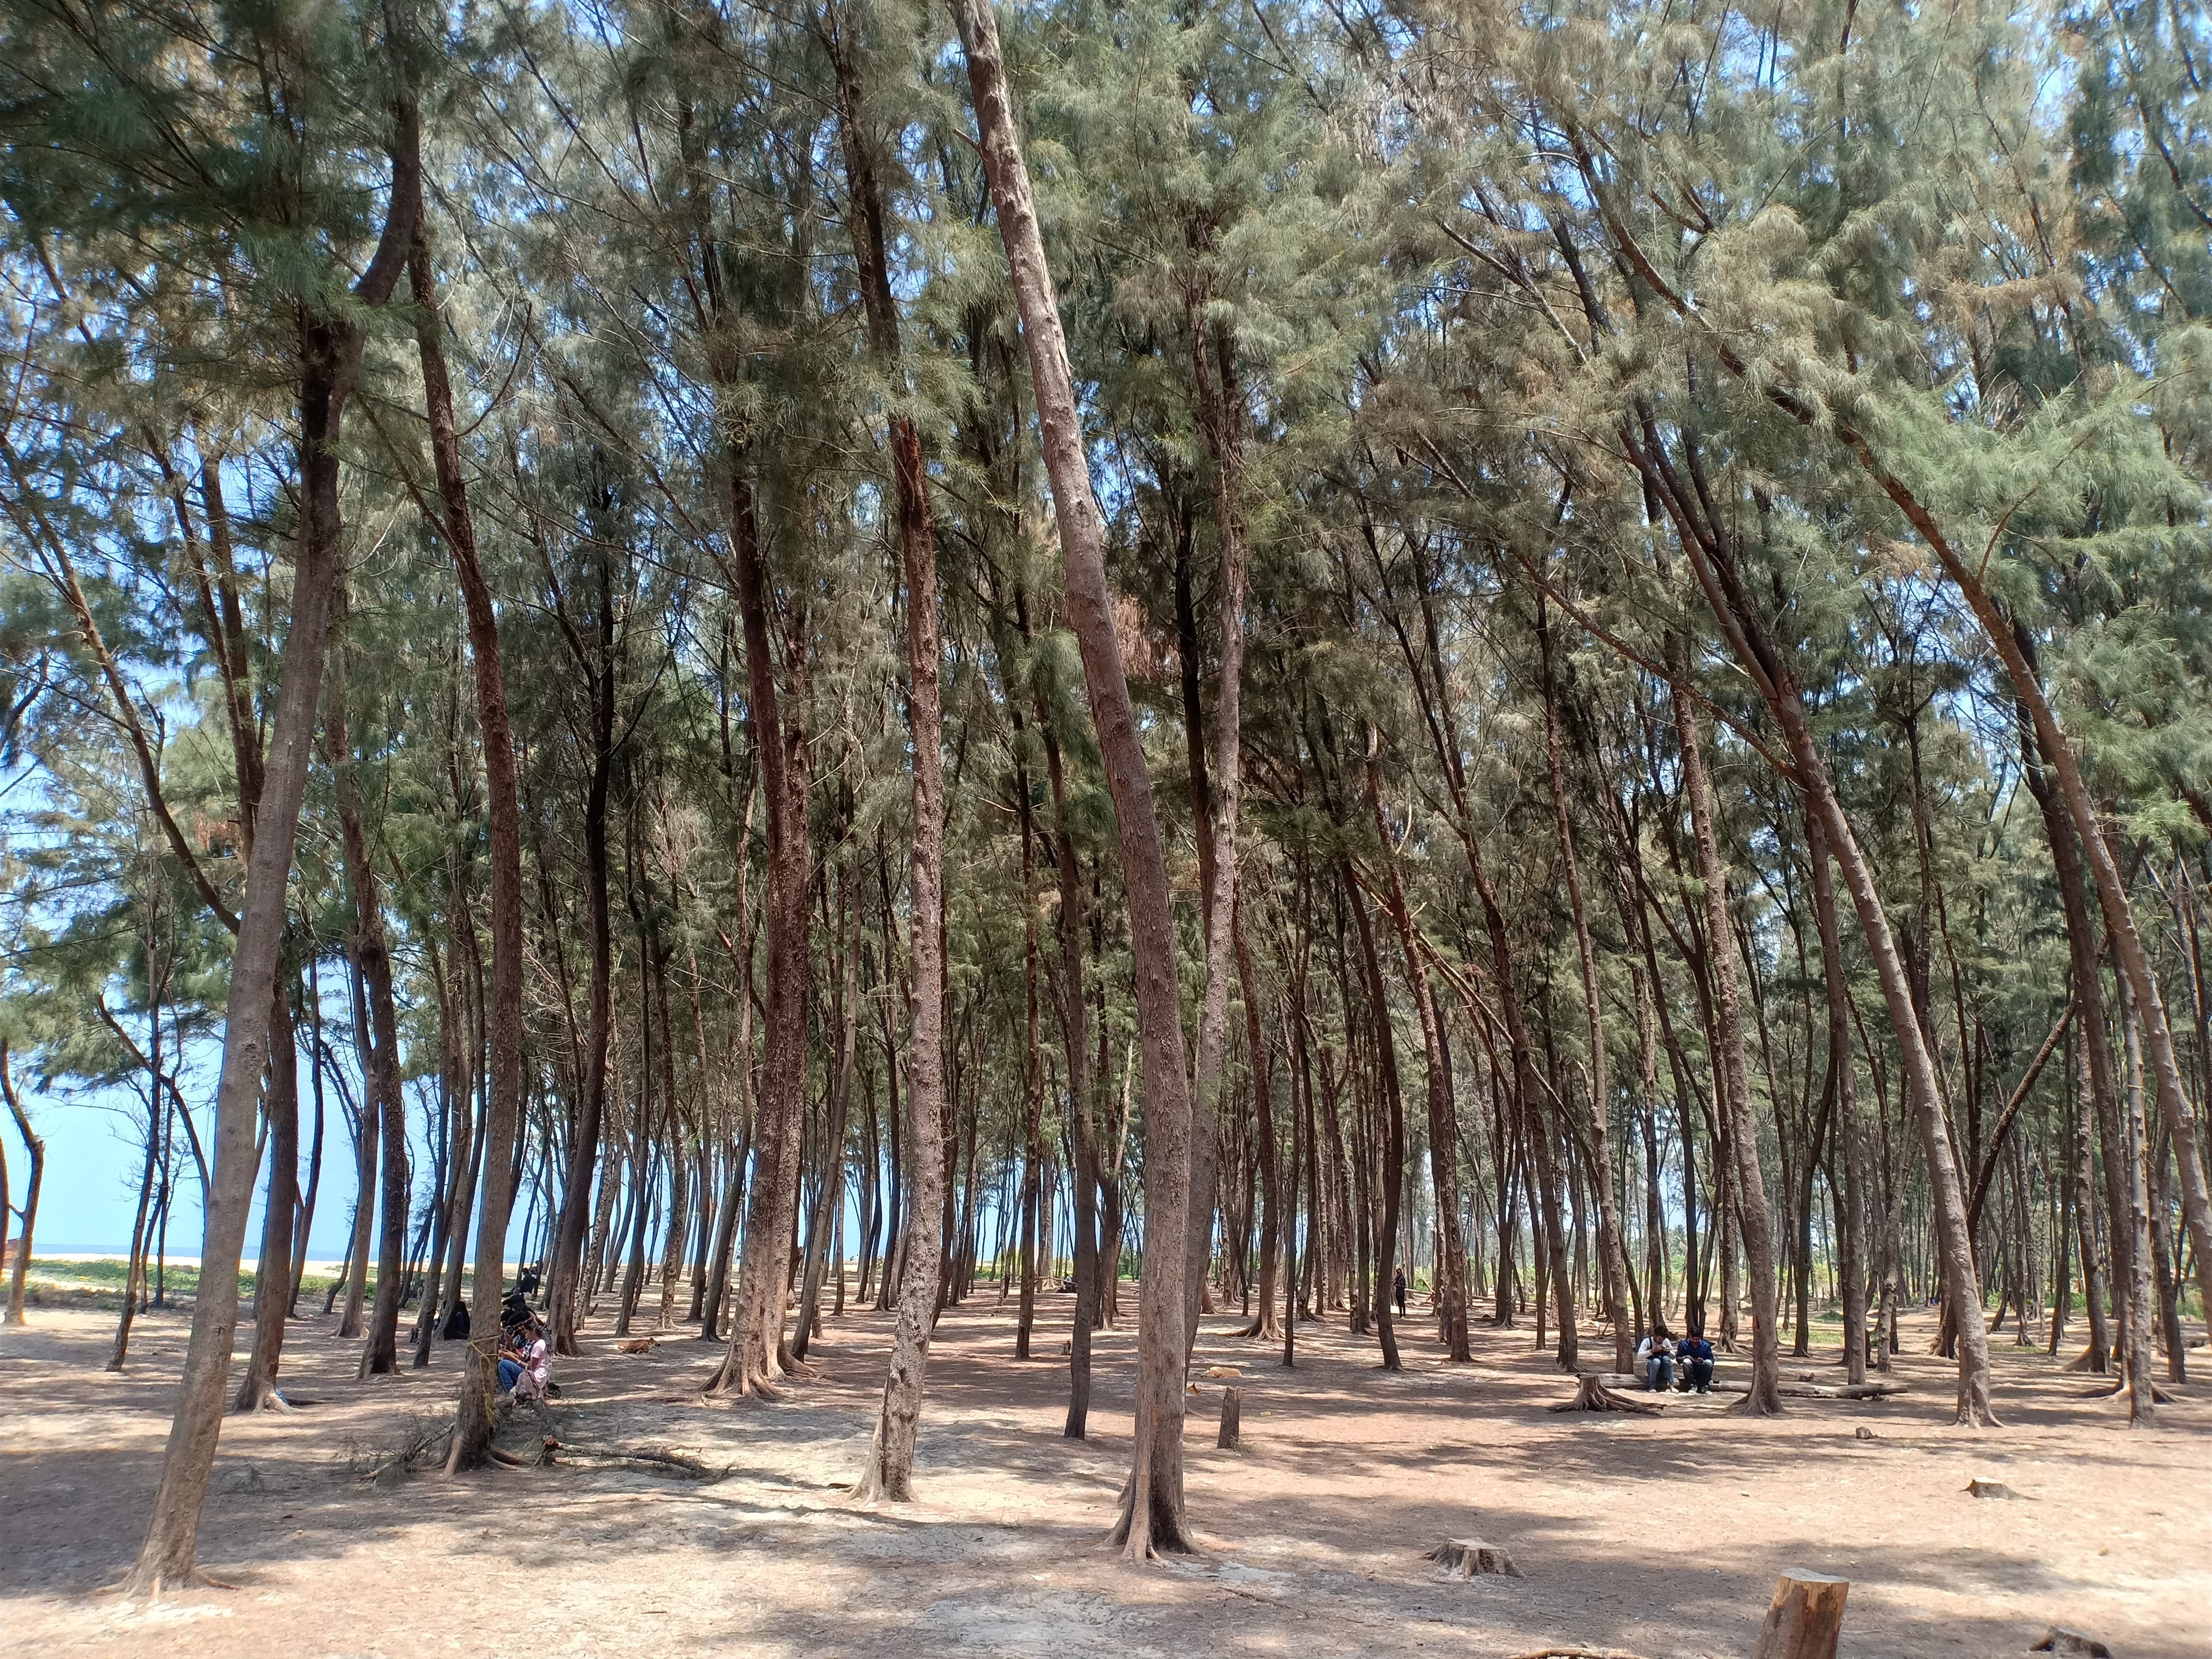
column 1659, row 1536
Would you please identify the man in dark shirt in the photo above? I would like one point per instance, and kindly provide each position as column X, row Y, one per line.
column 1695, row 1358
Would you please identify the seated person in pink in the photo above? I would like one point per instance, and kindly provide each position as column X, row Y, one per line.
column 526, row 1367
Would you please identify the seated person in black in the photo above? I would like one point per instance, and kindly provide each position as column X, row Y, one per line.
column 1694, row 1356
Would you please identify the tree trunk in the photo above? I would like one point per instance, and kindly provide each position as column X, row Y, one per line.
column 1450, row 1279
column 829, row 1206
column 1851, row 1219
column 1734, row 1081
column 1611, row 1256
column 785, row 759
column 503, row 800
column 1152, row 1509
column 272, row 1290
column 384, row 1101
column 330, row 354
column 36, row 1147
column 367, row 1138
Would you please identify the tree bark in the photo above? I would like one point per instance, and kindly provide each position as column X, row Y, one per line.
column 36, row 1147
column 1152, row 1520
column 1611, row 1256
column 1841, row 1074
column 373, row 956
column 330, row 352
column 503, row 812
column 1450, row 1281
column 1732, row 1080
column 272, row 1289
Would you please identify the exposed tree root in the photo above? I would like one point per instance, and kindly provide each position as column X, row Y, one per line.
column 192, row 1581
column 1147, row 1531
column 1592, row 1395
column 2119, row 1385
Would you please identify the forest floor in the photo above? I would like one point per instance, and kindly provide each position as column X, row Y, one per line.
column 1661, row 1536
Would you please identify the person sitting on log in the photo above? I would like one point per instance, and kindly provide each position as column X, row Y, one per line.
column 1654, row 1357
column 1694, row 1356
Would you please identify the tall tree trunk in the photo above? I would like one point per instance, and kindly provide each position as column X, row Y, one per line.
column 2137, row 1340
column 1221, row 421
column 272, row 1290
column 571, row 1282
column 502, row 1110
column 1276, row 1223
column 36, row 1147
column 1732, row 1080
column 1842, row 1086
column 1089, row 1289
column 330, row 354
column 1153, row 1519
column 2082, row 1130
column 306, row 1224
column 1389, row 1140
column 829, row 1204
column 384, row 1100
column 889, row 1471
column 1450, row 1278
column 1711, row 553
column 1032, row 1057
column 367, row 1138
column 1611, row 1256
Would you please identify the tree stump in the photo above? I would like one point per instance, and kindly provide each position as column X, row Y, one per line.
column 2059, row 1640
column 1805, row 1618
column 1470, row 1558
column 1232, row 1419
column 1592, row 1395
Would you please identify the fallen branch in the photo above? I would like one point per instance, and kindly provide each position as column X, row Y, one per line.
column 1844, row 1391
column 653, row 1461
column 404, row 1461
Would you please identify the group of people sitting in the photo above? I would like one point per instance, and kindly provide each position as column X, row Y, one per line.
column 525, row 1364
column 1677, row 1363
column 525, row 1360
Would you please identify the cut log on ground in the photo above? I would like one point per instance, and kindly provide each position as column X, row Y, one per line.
column 2059, row 1640
column 1591, row 1394
column 1232, row 1419
column 1843, row 1391
column 1805, row 1618
column 1470, row 1558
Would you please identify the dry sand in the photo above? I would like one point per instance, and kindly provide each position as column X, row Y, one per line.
column 1662, row 1536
